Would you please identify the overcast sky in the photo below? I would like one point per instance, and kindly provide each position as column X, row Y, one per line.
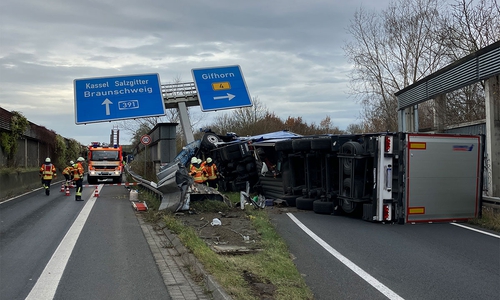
column 290, row 53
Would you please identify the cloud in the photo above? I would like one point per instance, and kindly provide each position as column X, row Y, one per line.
column 289, row 52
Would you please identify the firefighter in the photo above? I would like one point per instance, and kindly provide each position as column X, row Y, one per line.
column 68, row 173
column 78, row 177
column 47, row 172
column 194, row 159
column 197, row 172
column 212, row 173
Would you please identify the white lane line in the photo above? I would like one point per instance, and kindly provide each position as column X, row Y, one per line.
column 360, row 272
column 477, row 230
column 46, row 285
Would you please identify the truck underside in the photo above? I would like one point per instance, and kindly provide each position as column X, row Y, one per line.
column 379, row 177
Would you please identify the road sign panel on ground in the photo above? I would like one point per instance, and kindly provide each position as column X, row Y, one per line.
column 221, row 88
column 118, row 98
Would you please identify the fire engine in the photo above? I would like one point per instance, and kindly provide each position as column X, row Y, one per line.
column 105, row 161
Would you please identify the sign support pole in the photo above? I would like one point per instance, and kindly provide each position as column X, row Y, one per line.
column 185, row 123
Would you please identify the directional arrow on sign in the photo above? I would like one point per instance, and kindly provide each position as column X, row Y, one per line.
column 107, row 103
column 229, row 97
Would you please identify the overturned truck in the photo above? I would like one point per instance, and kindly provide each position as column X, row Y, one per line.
column 380, row 177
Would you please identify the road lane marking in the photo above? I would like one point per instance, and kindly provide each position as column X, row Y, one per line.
column 46, row 285
column 360, row 272
column 477, row 230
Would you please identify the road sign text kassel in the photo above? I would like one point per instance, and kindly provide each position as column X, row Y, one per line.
column 221, row 88
column 118, row 98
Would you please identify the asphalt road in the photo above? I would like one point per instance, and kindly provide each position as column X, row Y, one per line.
column 345, row 258
column 340, row 257
column 110, row 260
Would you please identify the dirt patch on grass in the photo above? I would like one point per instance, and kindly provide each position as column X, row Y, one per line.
column 236, row 235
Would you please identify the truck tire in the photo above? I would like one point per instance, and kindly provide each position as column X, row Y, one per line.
column 323, row 207
column 321, row 144
column 285, row 145
column 301, row 145
column 209, row 140
column 350, row 148
column 304, row 203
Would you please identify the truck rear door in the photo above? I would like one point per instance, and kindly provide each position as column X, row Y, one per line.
column 443, row 177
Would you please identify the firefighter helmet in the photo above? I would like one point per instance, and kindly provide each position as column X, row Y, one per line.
column 194, row 160
column 209, row 160
column 47, row 160
column 80, row 159
column 199, row 161
column 71, row 162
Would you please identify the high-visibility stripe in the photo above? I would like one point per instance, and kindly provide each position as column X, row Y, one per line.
column 416, row 210
column 418, row 145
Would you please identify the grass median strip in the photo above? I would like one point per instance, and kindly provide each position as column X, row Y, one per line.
column 266, row 274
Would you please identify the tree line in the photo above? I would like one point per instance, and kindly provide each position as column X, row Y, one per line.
column 389, row 50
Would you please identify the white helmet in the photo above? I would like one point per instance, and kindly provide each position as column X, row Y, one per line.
column 194, row 160
column 199, row 160
column 47, row 160
column 209, row 160
column 71, row 162
column 80, row 159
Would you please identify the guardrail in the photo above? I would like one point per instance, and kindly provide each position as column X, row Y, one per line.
column 144, row 183
column 493, row 202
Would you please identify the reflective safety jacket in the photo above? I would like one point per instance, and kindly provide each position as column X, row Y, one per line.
column 78, row 171
column 68, row 170
column 211, row 170
column 198, row 173
column 48, row 171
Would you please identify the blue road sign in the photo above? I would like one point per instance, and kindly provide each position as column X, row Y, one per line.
column 221, row 88
column 117, row 98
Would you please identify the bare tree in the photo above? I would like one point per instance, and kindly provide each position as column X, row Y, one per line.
column 470, row 25
column 390, row 51
column 242, row 120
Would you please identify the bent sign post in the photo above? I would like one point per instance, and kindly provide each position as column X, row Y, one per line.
column 221, row 88
column 117, row 98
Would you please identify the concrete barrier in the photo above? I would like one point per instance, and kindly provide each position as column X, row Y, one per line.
column 13, row 184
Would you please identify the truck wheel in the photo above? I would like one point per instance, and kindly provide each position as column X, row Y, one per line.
column 321, row 144
column 285, row 145
column 209, row 140
column 348, row 206
column 323, row 207
column 301, row 145
column 304, row 203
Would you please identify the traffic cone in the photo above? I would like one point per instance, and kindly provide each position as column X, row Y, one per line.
column 67, row 191
column 96, row 192
column 62, row 187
